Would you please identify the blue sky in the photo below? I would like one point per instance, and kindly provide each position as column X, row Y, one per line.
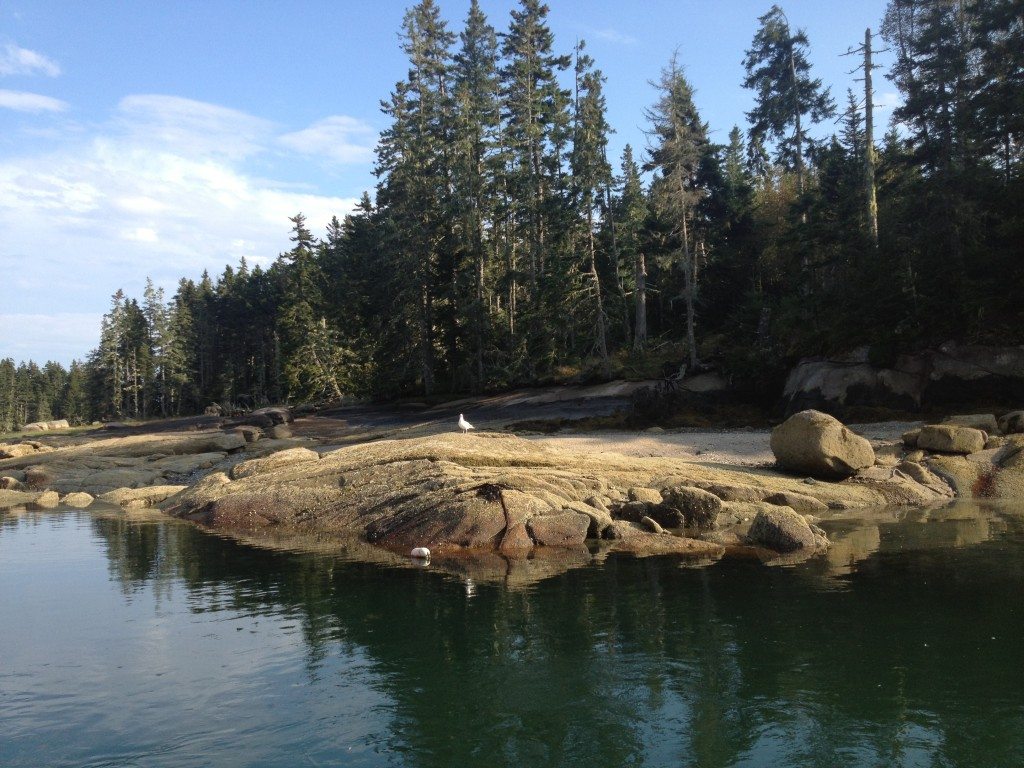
column 158, row 139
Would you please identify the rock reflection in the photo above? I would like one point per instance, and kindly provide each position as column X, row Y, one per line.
column 640, row 661
column 856, row 535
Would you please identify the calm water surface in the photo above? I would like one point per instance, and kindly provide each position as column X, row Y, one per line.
column 135, row 641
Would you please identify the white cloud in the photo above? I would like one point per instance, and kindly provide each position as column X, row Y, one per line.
column 191, row 127
column 340, row 138
column 888, row 100
column 140, row 235
column 15, row 60
column 610, row 35
column 22, row 101
column 162, row 190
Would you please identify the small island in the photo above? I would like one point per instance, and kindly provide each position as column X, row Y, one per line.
column 497, row 496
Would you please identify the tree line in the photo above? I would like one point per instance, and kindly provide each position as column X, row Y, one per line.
column 503, row 246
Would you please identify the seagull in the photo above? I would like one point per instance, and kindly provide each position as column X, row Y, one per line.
column 464, row 425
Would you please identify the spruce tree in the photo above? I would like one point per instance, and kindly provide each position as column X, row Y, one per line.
column 630, row 214
column 591, row 175
column 786, row 95
column 536, row 122
column 679, row 146
column 477, row 124
column 414, row 164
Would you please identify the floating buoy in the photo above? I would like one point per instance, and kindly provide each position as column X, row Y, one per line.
column 421, row 552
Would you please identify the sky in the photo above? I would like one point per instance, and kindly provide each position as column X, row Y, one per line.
column 155, row 139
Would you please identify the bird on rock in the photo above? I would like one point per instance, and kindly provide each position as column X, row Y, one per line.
column 464, row 425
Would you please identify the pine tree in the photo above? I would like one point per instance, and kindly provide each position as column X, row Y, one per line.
column 308, row 366
column 630, row 216
column 779, row 73
column 8, row 395
column 536, row 124
column 414, row 165
column 74, row 398
column 155, row 310
column 680, row 145
column 999, row 101
column 478, row 116
column 591, row 175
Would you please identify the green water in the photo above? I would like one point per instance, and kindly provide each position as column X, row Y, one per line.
column 129, row 641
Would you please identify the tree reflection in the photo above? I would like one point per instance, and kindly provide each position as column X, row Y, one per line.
column 641, row 661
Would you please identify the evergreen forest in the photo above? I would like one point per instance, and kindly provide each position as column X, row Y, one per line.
column 503, row 246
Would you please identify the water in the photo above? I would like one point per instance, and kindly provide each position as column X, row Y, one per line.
column 138, row 641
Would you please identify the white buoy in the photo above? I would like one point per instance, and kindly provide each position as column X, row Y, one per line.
column 464, row 425
column 420, row 552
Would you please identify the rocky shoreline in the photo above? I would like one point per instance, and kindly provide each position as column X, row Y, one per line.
column 497, row 495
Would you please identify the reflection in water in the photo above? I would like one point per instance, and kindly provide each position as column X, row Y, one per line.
column 898, row 648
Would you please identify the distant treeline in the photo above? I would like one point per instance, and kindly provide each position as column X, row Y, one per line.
column 503, row 246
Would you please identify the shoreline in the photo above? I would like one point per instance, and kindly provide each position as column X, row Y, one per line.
column 490, row 499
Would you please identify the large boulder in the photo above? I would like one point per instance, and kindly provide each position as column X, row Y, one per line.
column 950, row 438
column 816, row 444
column 1012, row 423
column 783, row 530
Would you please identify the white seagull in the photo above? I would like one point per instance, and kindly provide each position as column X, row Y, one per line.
column 464, row 425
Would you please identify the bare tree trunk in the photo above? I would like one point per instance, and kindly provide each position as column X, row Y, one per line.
column 328, row 375
column 626, row 333
column 691, row 336
column 796, row 119
column 602, row 344
column 426, row 354
column 480, row 314
column 869, row 144
column 640, row 324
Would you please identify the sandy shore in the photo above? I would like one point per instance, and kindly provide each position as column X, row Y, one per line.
column 741, row 447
